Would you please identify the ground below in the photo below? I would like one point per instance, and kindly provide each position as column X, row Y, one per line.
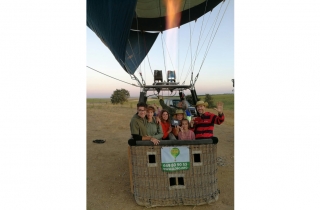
column 108, row 183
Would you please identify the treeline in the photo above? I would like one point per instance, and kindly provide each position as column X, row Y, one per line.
column 121, row 96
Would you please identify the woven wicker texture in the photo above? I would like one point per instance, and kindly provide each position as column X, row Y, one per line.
column 196, row 186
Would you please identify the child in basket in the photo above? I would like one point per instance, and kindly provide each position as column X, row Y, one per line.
column 185, row 133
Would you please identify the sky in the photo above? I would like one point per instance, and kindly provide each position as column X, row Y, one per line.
column 215, row 74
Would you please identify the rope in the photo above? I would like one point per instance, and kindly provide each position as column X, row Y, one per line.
column 164, row 58
column 145, row 46
column 210, row 40
column 190, row 47
column 149, row 65
column 211, row 28
column 190, row 36
column 204, row 12
column 208, row 47
column 144, row 66
column 135, row 64
column 177, row 75
column 187, row 51
column 168, row 53
column 191, row 67
column 132, row 75
column 111, row 77
column 185, row 2
column 139, row 43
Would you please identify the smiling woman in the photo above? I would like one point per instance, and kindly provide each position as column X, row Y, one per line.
column 154, row 129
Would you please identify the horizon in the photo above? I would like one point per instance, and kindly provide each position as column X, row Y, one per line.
column 152, row 97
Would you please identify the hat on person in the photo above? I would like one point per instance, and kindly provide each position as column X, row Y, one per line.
column 201, row 103
column 179, row 111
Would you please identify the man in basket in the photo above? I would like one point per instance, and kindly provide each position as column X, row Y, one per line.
column 203, row 126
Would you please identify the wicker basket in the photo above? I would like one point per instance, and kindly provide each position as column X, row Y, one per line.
column 152, row 186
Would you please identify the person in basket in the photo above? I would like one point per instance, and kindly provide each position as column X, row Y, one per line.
column 185, row 133
column 203, row 126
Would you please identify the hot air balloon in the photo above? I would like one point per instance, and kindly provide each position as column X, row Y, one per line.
column 129, row 28
column 175, row 152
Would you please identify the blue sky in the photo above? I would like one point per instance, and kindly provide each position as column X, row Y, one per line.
column 215, row 75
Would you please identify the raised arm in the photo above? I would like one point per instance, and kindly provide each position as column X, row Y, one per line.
column 218, row 119
column 171, row 110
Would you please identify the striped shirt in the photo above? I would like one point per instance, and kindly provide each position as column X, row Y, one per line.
column 204, row 125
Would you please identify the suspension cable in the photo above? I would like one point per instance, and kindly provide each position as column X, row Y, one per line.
column 168, row 52
column 149, row 64
column 187, row 52
column 139, row 42
column 212, row 28
column 190, row 46
column 210, row 39
column 208, row 47
column 132, row 75
column 177, row 78
column 111, row 77
column 136, row 62
column 204, row 12
column 190, row 35
column 191, row 68
column 164, row 59
column 145, row 48
column 185, row 2
column 144, row 66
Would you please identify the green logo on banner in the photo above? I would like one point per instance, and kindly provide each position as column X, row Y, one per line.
column 175, row 158
column 175, row 152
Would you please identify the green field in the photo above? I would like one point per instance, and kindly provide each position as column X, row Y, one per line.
column 227, row 99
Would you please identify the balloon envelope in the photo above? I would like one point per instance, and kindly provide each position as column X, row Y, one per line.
column 130, row 27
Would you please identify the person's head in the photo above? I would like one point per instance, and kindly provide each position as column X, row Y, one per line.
column 164, row 115
column 185, row 124
column 150, row 112
column 179, row 115
column 141, row 109
column 201, row 107
column 141, row 104
column 182, row 105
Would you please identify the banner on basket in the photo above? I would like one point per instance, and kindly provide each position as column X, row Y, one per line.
column 175, row 158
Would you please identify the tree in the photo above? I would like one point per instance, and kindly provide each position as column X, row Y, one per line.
column 208, row 98
column 120, row 96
